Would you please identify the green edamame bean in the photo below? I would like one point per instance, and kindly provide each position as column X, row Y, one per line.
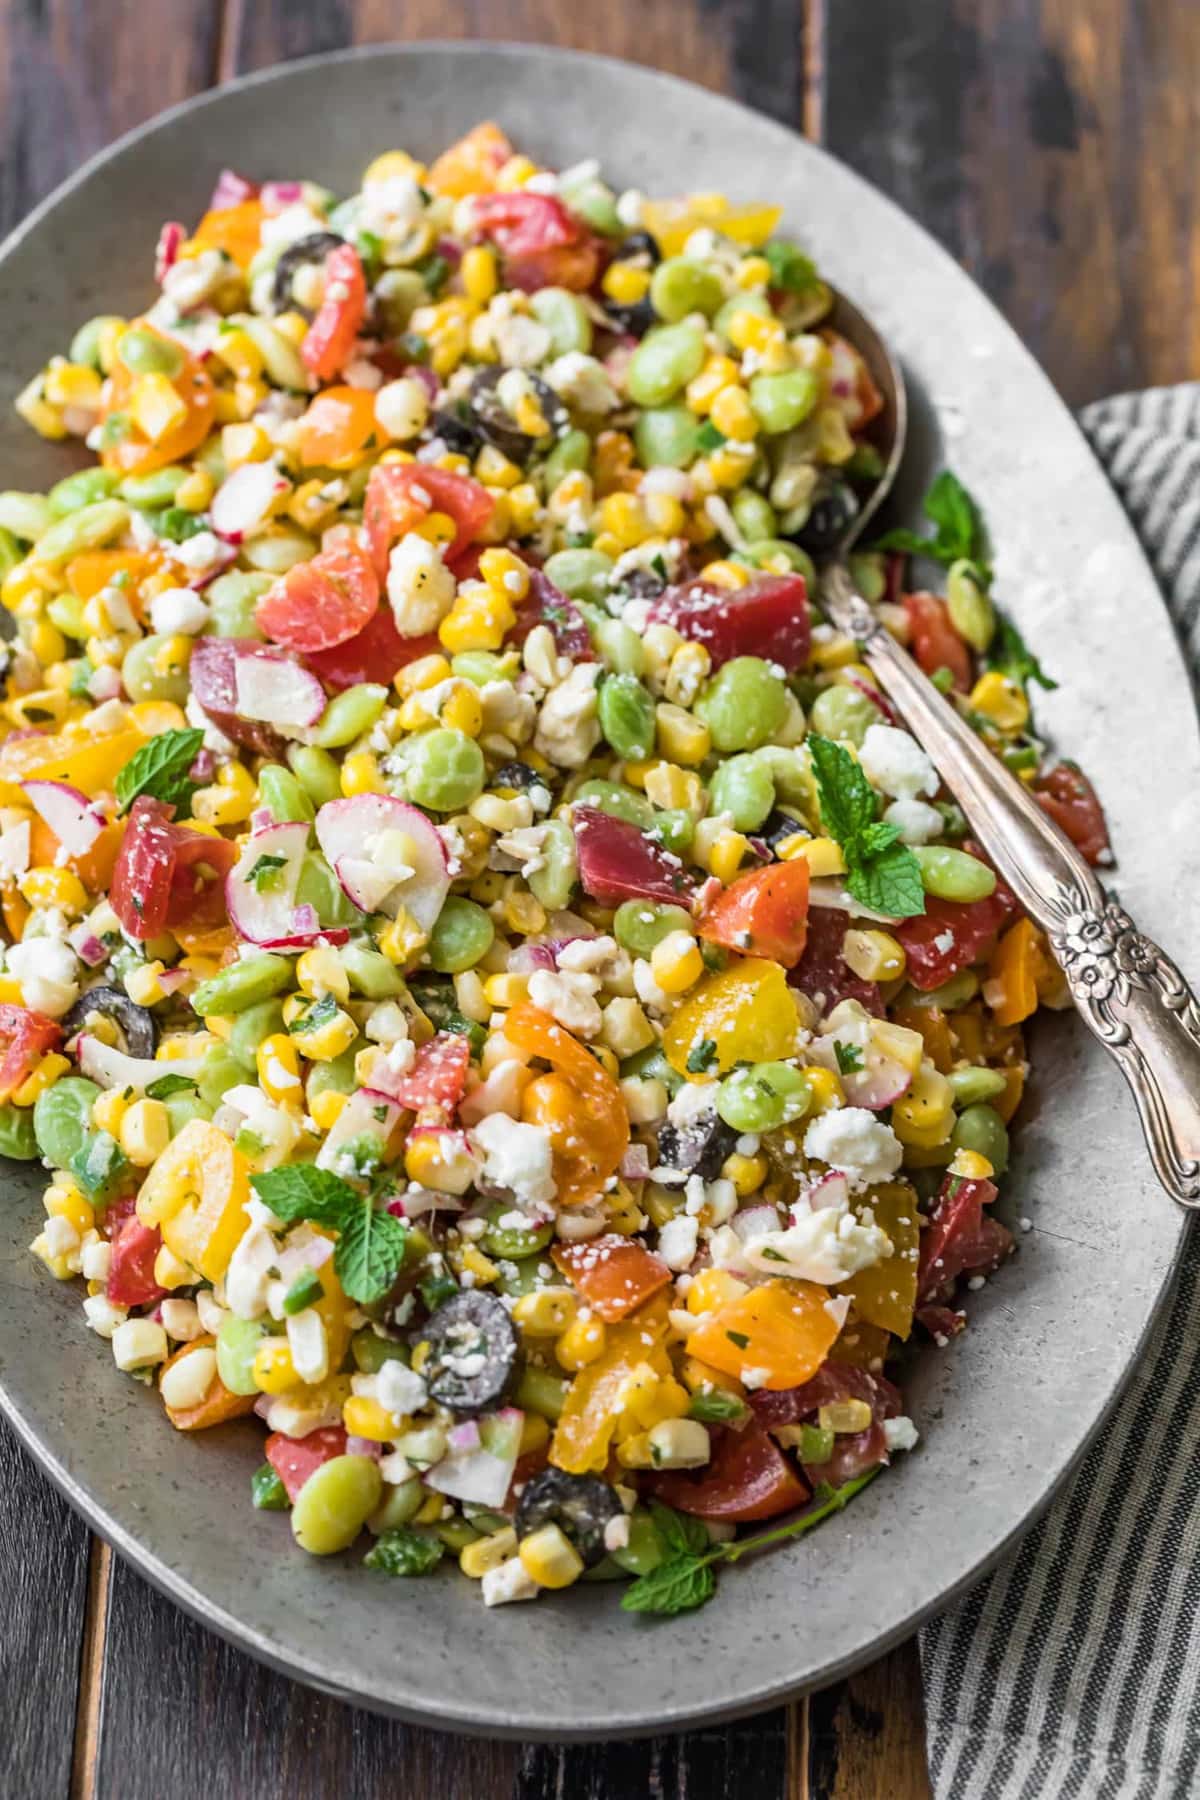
column 153, row 669
column 645, row 1548
column 595, row 203
column 743, row 787
column 981, row 1129
column 781, row 402
column 845, row 713
column 370, row 1351
column 444, row 770
column 156, row 489
column 280, row 551
column 335, row 1503
column 283, row 796
column 581, row 574
column 237, row 1344
column 482, row 666
column 620, row 646
column 743, row 705
column 554, row 882
column 540, row 1392
column 233, row 600
column 88, row 529
column 18, row 1138
column 85, row 345
column 953, row 874
column 318, row 886
column 666, row 437
column 527, row 1277
column 640, row 924
column 82, row 489
column 664, row 362
column 247, row 982
column 674, row 828
column 680, row 286
column 773, row 550
column 348, row 715
column 461, row 936
column 973, row 1085
column 219, row 1074
column 868, row 571
column 620, row 802
column 749, row 302
column 27, row 516
column 754, row 515
column 565, row 318
column 371, row 974
column 62, row 1118
column 626, row 713
column 959, row 991
column 333, row 1077
column 316, row 772
column 971, row 611
column 456, row 1534
column 145, row 353
column 281, row 359
column 182, row 1108
column 400, row 1504
column 251, row 1028
column 513, row 1243
column 572, row 451
column 763, row 1096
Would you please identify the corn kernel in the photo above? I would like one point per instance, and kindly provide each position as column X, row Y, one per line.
column 366, row 1418
column 323, row 1042
column 731, row 463
column 874, row 955
column 825, row 1090
column 155, row 406
column 749, row 330
column 58, row 1264
column 581, row 1343
column 143, row 986
column 72, row 384
column 971, row 1166
column 321, row 971
column 402, row 938
column 547, row 1555
column 145, row 1132
column 680, row 736
column 717, row 374
column 676, row 962
column 753, row 272
column 925, row 1115
column 625, row 283
column 273, row 1369
column 426, row 672
column 515, row 173
column 44, row 1075
column 733, row 414
column 360, row 775
column 325, row 1109
column 548, row 1312
column 494, row 469
column 623, row 516
column 46, row 421
column 1002, row 700
column 726, row 853
column 503, row 991
column 486, row 1553
column 747, row 1173
column 247, row 443
column 278, row 1069
column 62, row 888
column 524, row 914
column 63, row 1200
column 822, row 854
column 170, row 1272
column 478, row 274
column 462, row 710
column 108, row 1110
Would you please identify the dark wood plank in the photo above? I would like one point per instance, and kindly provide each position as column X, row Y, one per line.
column 43, row 1577
column 866, row 1736
column 1090, row 242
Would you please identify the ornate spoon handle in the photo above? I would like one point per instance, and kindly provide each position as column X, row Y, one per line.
column 1129, row 991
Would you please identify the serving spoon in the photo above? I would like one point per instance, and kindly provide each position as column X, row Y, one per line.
column 1130, row 993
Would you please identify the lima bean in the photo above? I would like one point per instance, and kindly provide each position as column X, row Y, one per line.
column 244, row 983
column 335, row 1503
column 953, row 874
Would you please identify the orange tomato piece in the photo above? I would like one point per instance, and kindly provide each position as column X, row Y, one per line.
column 218, row 1403
column 747, row 1013
column 934, row 1028
column 1012, row 990
column 237, row 230
column 1007, row 1103
column 886, row 1293
column 338, row 423
column 94, row 569
column 205, row 941
column 330, row 338
column 136, row 454
column 589, row 1416
column 614, row 1275
column 601, row 1124
column 94, row 868
column 780, row 1333
column 764, row 913
column 90, row 763
column 472, row 164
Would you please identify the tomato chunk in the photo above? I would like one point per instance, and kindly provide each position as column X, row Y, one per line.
column 936, row 645
column 542, row 244
column 320, row 604
column 780, row 1330
column 437, row 1078
column 613, row 1274
column 1066, row 794
column 600, row 1133
column 131, row 1272
column 749, row 1477
column 25, row 1036
column 768, row 617
column 295, row 1459
column 764, row 913
column 401, row 495
column 330, row 338
column 853, row 1452
column 166, row 875
column 823, row 973
column 618, row 862
column 548, row 605
column 337, row 425
column 950, row 935
column 961, row 1239
column 373, row 654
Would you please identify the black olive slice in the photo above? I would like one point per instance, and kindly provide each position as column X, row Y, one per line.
column 832, row 511
column 495, row 423
column 457, row 433
column 580, row 1505
column 472, row 1360
column 311, row 249
column 698, row 1148
column 135, row 1023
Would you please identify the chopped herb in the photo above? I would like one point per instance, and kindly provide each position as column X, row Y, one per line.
column 306, row 1290
column 791, row 270
column 708, row 437
column 849, row 1057
column 267, row 1492
column 1010, row 655
column 314, row 1016
column 715, row 1407
column 177, row 525
column 265, row 873
column 166, row 1085
column 701, row 1057
column 816, row 1444
column 739, row 1338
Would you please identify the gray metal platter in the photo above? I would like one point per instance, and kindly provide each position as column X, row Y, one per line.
column 1007, row 1409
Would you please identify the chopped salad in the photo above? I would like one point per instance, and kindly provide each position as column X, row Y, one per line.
column 500, row 996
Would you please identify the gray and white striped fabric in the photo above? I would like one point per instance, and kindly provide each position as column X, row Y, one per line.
column 1071, row 1673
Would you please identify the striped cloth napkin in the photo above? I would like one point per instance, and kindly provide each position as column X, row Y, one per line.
column 1073, row 1669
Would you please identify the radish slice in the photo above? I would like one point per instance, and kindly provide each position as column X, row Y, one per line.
column 277, row 691
column 387, row 855
column 359, row 1118
column 888, row 1055
column 244, row 500
column 828, row 890
column 482, row 1472
column 260, row 890
column 14, row 851
column 75, row 821
column 833, row 1189
column 113, row 1069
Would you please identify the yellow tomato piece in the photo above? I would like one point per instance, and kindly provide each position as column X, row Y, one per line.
column 886, row 1293
column 775, row 1336
column 197, row 1192
column 333, row 1306
column 589, row 1416
column 672, row 222
column 90, row 763
column 861, row 1345
column 1012, row 988
column 747, row 1013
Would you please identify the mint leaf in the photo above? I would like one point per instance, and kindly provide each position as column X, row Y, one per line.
column 678, row 1585
column 909, row 543
column 889, row 883
column 370, row 1251
column 680, row 1532
column 877, row 838
column 302, row 1191
column 959, row 536
column 166, row 1085
column 847, row 797
column 1010, row 655
column 791, row 270
column 160, row 770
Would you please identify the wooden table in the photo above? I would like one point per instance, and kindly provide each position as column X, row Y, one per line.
column 1051, row 146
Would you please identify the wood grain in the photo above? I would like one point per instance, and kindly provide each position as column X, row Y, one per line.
column 865, row 1737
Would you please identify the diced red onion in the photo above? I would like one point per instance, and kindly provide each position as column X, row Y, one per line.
column 231, row 190
column 361, row 1446
column 87, row 945
column 167, row 249
column 635, row 1164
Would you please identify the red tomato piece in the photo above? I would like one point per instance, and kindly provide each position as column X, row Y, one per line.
column 543, row 245
column 768, row 617
column 548, row 605
column 961, row 1239
column 613, row 1274
column 131, row 1272
column 618, row 862
column 763, row 913
column 949, row 936
column 1066, row 794
column 400, row 495
column 854, row 1452
column 437, row 1078
column 748, row 1477
column 320, row 604
column 295, row 1459
column 25, row 1036
column 110, row 1221
column 823, row 973
column 373, row 654
column 936, row 645
column 167, row 875
column 330, row 338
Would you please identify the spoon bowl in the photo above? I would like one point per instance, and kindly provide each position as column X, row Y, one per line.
column 889, row 429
